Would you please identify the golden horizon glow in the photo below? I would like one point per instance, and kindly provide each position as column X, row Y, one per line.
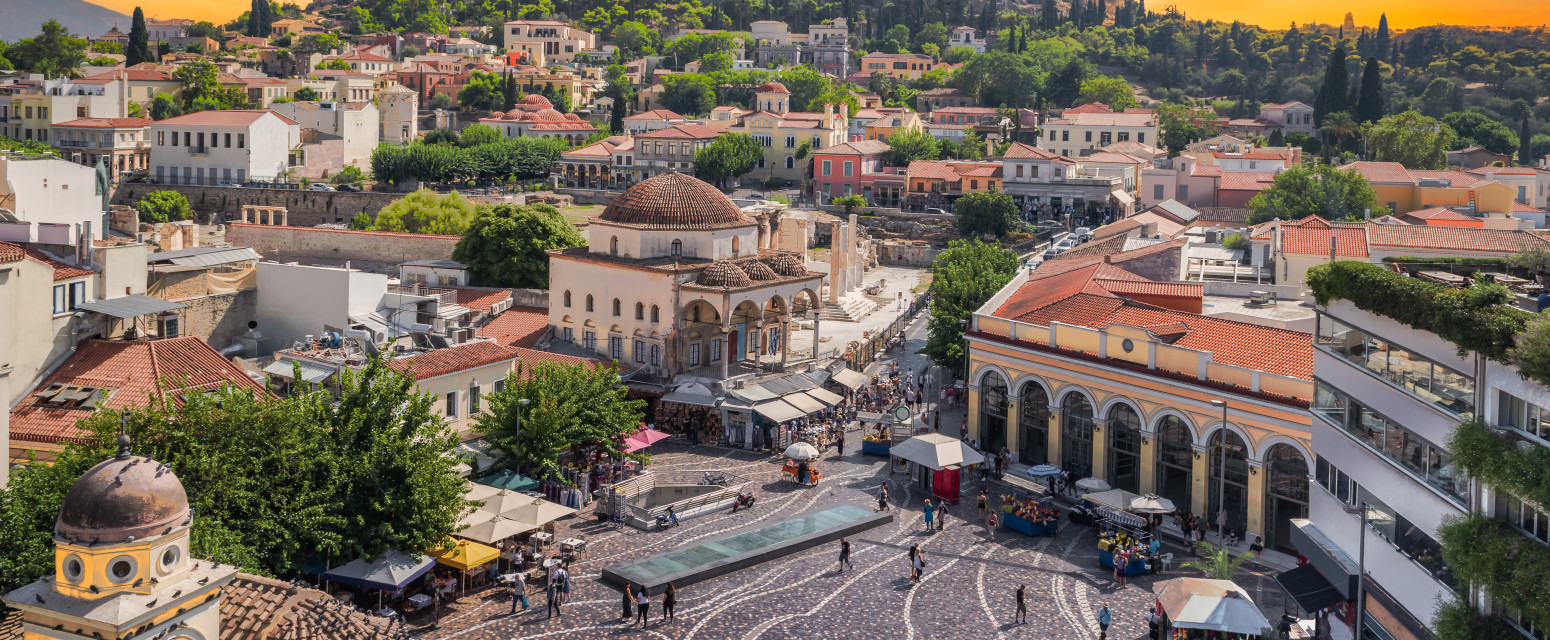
column 1266, row 13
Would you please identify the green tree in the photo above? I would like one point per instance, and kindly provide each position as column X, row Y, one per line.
column 985, row 212
column 139, row 49
column 306, row 94
column 1369, row 103
column 1001, row 78
column 1411, row 139
column 163, row 206
column 804, row 83
column 834, row 95
column 200, row 88
column 351, row 174
column 1178, row 127
column 1476, row 128
column 635, row 39
column 1216, row 562
column 905, row 147
column 1440, row 98
column 689, row 93
column 506, row 245
column 484, row 91
column 1324, row 191
column 1332, row 93
column 477, row 134
column 716, row 61
column 618, row 88
column 361, row 222
column 1338, row 126
column 54, row 52
column 425, row 211
column 850, row 202
column 337, row 64
column 730, row 155
column 163, row 107
column 317, row 43
column 1110, row 90
column 965, row 276
column 549, row 408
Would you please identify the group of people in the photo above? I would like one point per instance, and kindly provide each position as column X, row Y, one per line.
column 556, row 590
column 640, row 602
column 1129, row 548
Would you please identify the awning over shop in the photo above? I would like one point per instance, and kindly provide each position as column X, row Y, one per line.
column 778, row 410
column 803, row 402
column 936, row 451
column 850, row 379
column 1214, row 605
column 391, row 572
column 825, row 396
column 1123, row 197
column 1311, row 591
column 310, row 371
column 684, row 395
column 466, row 554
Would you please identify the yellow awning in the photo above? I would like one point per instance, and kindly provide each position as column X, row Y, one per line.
column 466, row 555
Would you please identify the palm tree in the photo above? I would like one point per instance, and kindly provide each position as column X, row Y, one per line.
column 1217, row 563
column 1338, row 125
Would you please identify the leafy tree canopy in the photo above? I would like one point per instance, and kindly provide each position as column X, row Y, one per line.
column 425, row 211
column 985, row 212
column 965, row 276
column 568, row 407
column 905, row 147
column 53, row 52
column 1411, row 139
column 728, row 156
column 1110, row 90
column 1474, row 128
column 505, row 245
column 1323, row 191
column 163, row 206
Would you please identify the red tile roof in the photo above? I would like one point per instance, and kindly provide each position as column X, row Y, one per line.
column 1310, row 236
column 62, row 271
column 984, row 172
column 1091, row 107
column 1519, row 207
column 1247, row 156
column 1453, row 238
column 223, row 118
column 258, row 608
column 698, row 131
column 451, row 360
column 1024, row 151
column 1439, row 213
column 528, row 357
column 1113, row 156
column 517, row 326
column 655, row 114
column 11, row 252
column 133, row 370
column 857, row 148
column 933, row 169
column 1383, row 172
column 1164, row 289
column 480, row 298
column 1246, row 181
column 1504, row 171
column 107, row 123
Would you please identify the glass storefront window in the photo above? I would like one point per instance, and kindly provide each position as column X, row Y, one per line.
column 1452, row 391
column 1391, row 440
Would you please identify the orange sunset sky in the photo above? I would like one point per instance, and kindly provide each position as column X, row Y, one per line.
column 1269, row 13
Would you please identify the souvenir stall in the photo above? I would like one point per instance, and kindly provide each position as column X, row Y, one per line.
column 688, row 409
column 389, row 575
column 1204, row 608
column 851, row 381
column 737, row 422
column 1030, row 514
column 935, row 461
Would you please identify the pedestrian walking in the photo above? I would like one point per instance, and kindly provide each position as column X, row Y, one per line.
column 669, row 600
column 882, row 498
column 1153, row 624
column 941, row 515
column 1104, row 618
column 629, row 601
column 909, row 558
column 1022, row 607
column 963, row 429
column 845, row 555
column 642, row 608
column 839, row 444
column 518, row 593
column 552, row 600
column 928, row 514
column 562, row 579
column 918, row 564
column 990, row 525
column 982, row 503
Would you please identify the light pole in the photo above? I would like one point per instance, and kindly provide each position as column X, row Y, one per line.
column 1361, row 569
column 1221, row 481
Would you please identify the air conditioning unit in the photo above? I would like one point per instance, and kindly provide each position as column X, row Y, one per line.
column 167, row 325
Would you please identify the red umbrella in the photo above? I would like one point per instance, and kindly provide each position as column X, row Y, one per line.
column 646, row 437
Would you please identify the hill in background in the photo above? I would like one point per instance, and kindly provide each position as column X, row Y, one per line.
column 23, row 18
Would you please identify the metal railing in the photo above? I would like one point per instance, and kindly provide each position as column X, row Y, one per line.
column 857, row 359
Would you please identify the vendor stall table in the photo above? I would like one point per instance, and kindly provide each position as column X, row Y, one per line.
column 1029, row 527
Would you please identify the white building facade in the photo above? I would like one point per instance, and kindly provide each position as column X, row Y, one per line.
column 212, row 147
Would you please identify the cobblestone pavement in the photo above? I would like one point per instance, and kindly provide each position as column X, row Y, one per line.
column 966, row 592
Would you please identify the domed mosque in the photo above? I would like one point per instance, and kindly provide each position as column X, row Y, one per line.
column 676, row 278
column 535, row 117
column 122, row 570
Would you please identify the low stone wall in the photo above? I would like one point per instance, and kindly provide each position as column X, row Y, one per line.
column 906, row 254
column 589, row 196
column 307, row 208
column 379, row 251
column 221, row 317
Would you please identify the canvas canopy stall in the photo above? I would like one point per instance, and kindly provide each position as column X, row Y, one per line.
column 1202, row 605
column 466, row 556
column 849, row 379
column 939, row 458
column 391, row 572
column 510, row 481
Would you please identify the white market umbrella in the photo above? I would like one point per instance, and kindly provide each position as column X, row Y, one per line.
column 936, row 451
column 495, row 530
column 506, row 501
column 1151, row 503
column 1043, row 471
column 538, row 513
column 801, row 451
column 1092, row 484
column 476, row 491
column 1216, row 605
column 471, row 519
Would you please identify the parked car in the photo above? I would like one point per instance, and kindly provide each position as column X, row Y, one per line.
column 1051, row 253
column 349, row 188
column 1066, row 244
column 756, row 196
column 936, row 211
column 318, row 186
column 230, row 184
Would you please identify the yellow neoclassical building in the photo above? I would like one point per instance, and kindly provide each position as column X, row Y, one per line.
column 782, row 131
column 1088, row 366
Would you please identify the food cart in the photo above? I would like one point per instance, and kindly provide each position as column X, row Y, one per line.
column 1203, row 608
column 1119, row 529
column 881, row 431
column 798, row 456
column 1031, row 514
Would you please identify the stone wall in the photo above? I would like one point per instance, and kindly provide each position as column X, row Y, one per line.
column 307, row 208
column 378, row 251
column 221, row 317
column 906, row 254
column 589, row 196
column 1162, row 266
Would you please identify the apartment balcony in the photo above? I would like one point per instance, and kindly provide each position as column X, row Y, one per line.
column 198, row 151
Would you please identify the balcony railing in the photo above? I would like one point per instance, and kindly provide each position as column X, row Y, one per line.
column 198, row 151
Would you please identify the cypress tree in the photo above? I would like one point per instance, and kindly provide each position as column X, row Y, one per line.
column 1050, row 15
column 255, row 14
column 1277, row 139
column 1332, row 93
column 139, row 49
column 1369, row 106
column 1525, row 149
column 1381, row 40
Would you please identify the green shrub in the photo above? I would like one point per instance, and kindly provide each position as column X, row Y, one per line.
column 1235, row 242
column 1514, row 569
column 163, row 206
column 1457, row 620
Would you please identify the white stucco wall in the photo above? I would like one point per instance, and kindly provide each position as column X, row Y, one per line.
column 297, row 300
column 262, row 156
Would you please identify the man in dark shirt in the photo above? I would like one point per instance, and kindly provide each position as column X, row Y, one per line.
column 1022, row 606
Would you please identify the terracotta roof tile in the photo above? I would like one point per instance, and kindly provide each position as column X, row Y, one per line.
column 653, row 115
column 107, row 123
column 1310, row 236
column 1452, row 238
column 517, row 326
column 1168, row 289
column 221, row 118
column 691, row 130
column 258, row 608
column 934, row 169
column 857, row 148
column 1439, row 213
column 453, row 359
column 480, row 298
column 11, row 252
column 674, row 200
column 62, row 270
column 133, row 371
column 1246, row 181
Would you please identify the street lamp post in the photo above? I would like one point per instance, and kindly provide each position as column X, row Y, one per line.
column 1361, row 569
column 1221, row 481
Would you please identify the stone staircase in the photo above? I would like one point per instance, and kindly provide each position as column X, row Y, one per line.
column 852, row 307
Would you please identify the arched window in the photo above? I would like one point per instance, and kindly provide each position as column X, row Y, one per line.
column 1124, row 448
column 992, row 412
column 1035, row 424
column 567, row 297
column 656, row 355
column 1229, row 461
column 677, row 248
column 1286, row 489
column 616, row 306
column 589, row 302
column 735, row 244
column 1076, row 427
column 640, row 311
column 613, row 245
column 656, row 314
column 1175, row 461
column 791, row 162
